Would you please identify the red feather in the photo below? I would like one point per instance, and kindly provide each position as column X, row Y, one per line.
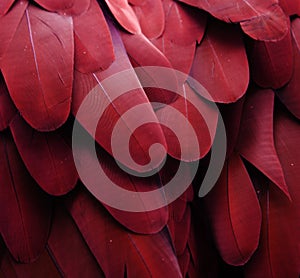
column 289, row 95
column 42, row 89
column 68, row 248
column 5, row 6
column 24, row 208
column 151, row 17
column 187, row 114
column 256, row 142
column 291, row 7
column 93, row 45
column 125, row 15
column 272, row 62
column 72, row 7
column 219, row 57
column 234, row 212
column 121, row 252
column 261, row 20
column 47, row 156
column 7, row 108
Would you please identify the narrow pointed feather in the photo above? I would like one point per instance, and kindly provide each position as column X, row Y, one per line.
column 25, row 210
column 121, row 251
column 261, row 20
column 7, row 108
column 143, row 53
column 272, row 62
column 221, row 64
column 234, row 212
column 151, row 17
column 289, row 95
column 68, row 248
column 5, row 6
column 11, row 21
column 93, row 45
column 117, row 103
column 70, row 7
column 145, row 222
column 256, row 142
column 125, row 15
column 38, row 68
column 291, row 7
column 184, row 25
column 47, row 156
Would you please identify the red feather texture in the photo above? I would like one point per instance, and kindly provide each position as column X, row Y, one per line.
column 68, row 249
column 234, row 213
column 272, row 62
column 5, row 6
column 11, row 21
column 121, row 252
column 125, row 15
column 7, row 108
column 279, row 251
column 261, row 20
column 42, row 89
column 151, row 17
column 202, row 124
column 116, row 106
column 24, row 208
column 72, row 7
column 291, row 7
column 220, row 56
column 256, row 142
column 93, row 45
column 289, row 95
column 47, row 156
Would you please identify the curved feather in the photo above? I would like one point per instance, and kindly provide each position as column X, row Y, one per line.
column 272, row 62
column 47, row 156
column 7, row 108
column 220, row 56
column 148, row 12
column 125, row 15
column 289, row 95
column 5, row 6
column 25, row 210
column 93, row 45
column 256, row 142
column 201, row 124
column 122, row 252
column 42, row 89
column 234, row 213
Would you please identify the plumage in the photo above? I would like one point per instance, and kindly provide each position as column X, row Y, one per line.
column 5, row 6
column 93, row 44
column 24, row 208
column 290, row 7
column 219, row 56
column 42, row 89
column 236, row 220
column 256, row 142
column 47, row 156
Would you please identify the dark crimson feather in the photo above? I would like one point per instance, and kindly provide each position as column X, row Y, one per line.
column 125, row 15
column 11, row 21
column 289, row 95
column 219, row 57
column 118, row 103
column 272, row 62
column 72, row 7
column 42, row 89
column 151, row 17
column 188, row 121
column 121, row 253
column 68, row 248
column 47, row 156
column 261, row 20
column 291, row 7
column 256, row 142
column 7, row 108
column 25, row 209
column 93, row 45
column 5, row 6
column 234, row 213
